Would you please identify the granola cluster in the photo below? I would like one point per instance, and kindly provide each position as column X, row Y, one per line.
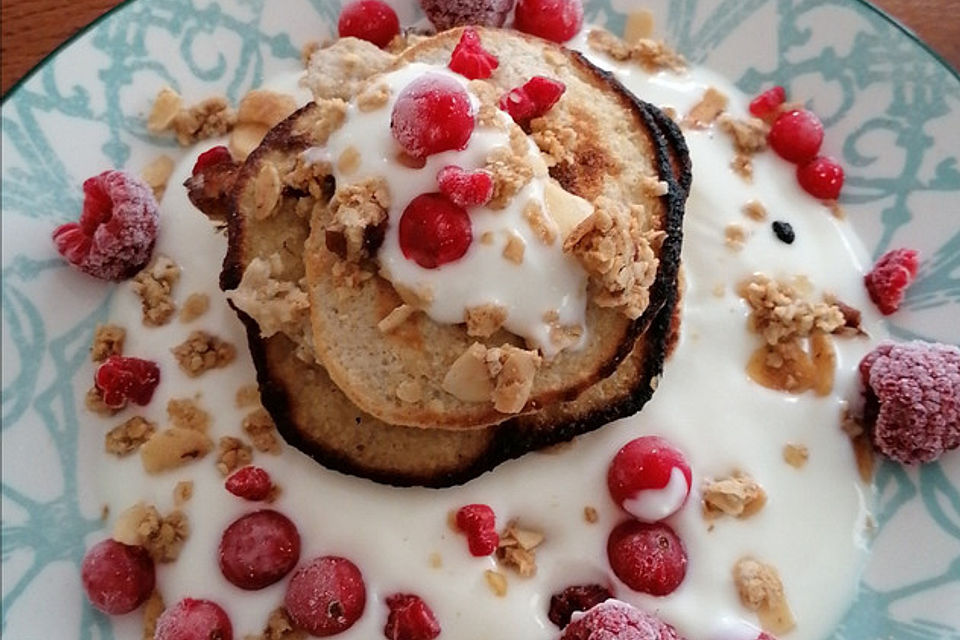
column 201, row 352
column 154, row 286
column 503, row 375
column 652, row 55
column 358, row 216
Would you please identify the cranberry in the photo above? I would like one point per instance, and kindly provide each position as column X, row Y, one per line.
column 573, row 599
column 557, row 20
column 410, row 619
column 478, row 522
column 766, row 104
column 796, row 135
column 258, row 549
column 117, row 578
column 369, row 20
column 122, row 379
column 887, row 282
column 211, row 157
column 326, row 596
column 649, row 558
column 250, row 483
column 822, row 178
column 465, row 188
column 434, row 231
column 192, row 619
column 470, row 59
column 532, row 100
column 649, row 478
column 619, row 621
column 432, row 114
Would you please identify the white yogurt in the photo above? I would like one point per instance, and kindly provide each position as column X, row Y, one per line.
column 653, row 505
column 705, row 405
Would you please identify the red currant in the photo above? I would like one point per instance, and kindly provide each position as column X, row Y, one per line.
column 432, row 114
column 434, row 231
column 557, row 20
column 369, row 20
column 258, row 549
column 822, row 178
column 465, row 188
column 326, row 596
column 796, row 135
column 192, row 619
column 648, row 558
column 649, row 478
column 117, row 578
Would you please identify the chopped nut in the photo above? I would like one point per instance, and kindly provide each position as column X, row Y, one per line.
column 154, row 285
column 165, row 108
column 187, row 414
column 654, row 187
column 202, row 352
column 486, row 238
column 517, row 549
column 735, row 236
column 142, row 525
column 639, row 26
column 157, row 174
column 590, row 515
column 207, row 119
column 232, row 453
column 373, row 97
column 129, row 436
column 420, row 298
column 749, row 136
column 707, row 110
column 107, row 341
column 780, row 311
column 513, row 370
column 349, row 160
column 514, row 249
column 511, row 173
column 652, row 55
column 435, row 560
column 564, row 336
column 468, row 378
column 266, row 191
column 194, row 306
column 358, row 214
column 761, row 590
column 152, row 610
column 542, row 225
column 410, row 391
column 262, row 431
column 755, row 210
column 245, row 138
column 564, row 208
column 497, row 582
column 95, row 404
column 392, row 321
column 248, row 396
column 264, row 107
column 278, row 305
column 796, row 455
column 182, row 492
column 742, row 165
column 485, row 320
column 172, row 448
column 739, row 496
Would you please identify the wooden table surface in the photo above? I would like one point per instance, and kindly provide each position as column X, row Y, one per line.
column 33, row 28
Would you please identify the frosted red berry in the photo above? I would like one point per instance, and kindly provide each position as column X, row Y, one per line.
column 326, row 596
column 465, row 188
column 573, row 599
column 432, row 114
column 192, row 619
column 369, row 20
column 766, row 104
column 822, row 178
column 556, row 20
column 123, row 379
column 619, row 621
column 446, row 14
column 649, row 478
column 116, row 232
column 211, row 157
column 796, row 135
column 470, row 59
column 117, row 578
column 887, row 282
column 250, row 483
column 410, row 619
column 649, row 558
column 532, row 100
column 259, row 549
column 478, row 522
column 434, row 231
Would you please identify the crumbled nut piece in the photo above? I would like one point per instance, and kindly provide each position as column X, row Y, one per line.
column 421, row 297
column 172, row 448
column 165, row 108
column 486, row 237
column 513, row 370
column 247, row 396
column 410, row 391
column 154, row 285
column 497, row 582
column 735, row 236
column 654, row 187
column 157, row 174
column 468, row 377
column 749, row 136
column 187, row 414
column 707, row 110
column 232, row 453
column 761, row 590
column 590, row 515
column 162, row 536
column 742, row 165
column 392, row 321
column 265, row 107
column 556, row 142
column 652, row 55
column 639, row 25
column 152, row 610
column 194, row 306
column 278, row 305
column 127, row 437
column 852, row 317
column 107, row 341
column 739, row 496
column 485, row 320
column 207, row 119
column 796, row 455
column 541, row 224
column 824, row 362
column 261, row 429
column 563, row 336
column 373, row 97
column 95, row 404
column 358, row 214
column 517, row 549
column 245, row 138
column 182, row 492
column 514, row 249
column 279, row 627
column 755, row 210
column 784, row 366
column 201, row 352
column 307, row 51
column 780, row 312
column 349, row 160
column 342, row 69
column 489, row 114
column 510, row 172
column 266, row 191
column 618, row 256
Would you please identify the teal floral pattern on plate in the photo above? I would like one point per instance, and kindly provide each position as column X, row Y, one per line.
column 893, row 115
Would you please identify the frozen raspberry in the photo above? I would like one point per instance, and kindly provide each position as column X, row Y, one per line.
column 822, row 178
column 557, row 20
column 470, row 59
column 796, row 135
column 766, row 104
column 649, row 478
column 122, row 379
column 326, row 596
column 532, row 100
column 117, row 578
column 114, row 237
column 465, row 188
column 192, row 619
column 891, row 275
column 250, row 483
column 478, row 522
column 258, row 549
column 648, row 558
column 912, row 407
column 410, row 619
column 432, row 114
column 369, row 20
column 446, row 14
column 615, row 620
column 434, row 231
column 573, row 599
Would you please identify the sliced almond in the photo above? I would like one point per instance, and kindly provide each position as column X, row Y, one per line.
column 245, row 138
column 173, row 448
column 468, row 378
column 157, row 174
column 566, row 209
column 264, row 107
column 166, row 106
column 266, row 193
